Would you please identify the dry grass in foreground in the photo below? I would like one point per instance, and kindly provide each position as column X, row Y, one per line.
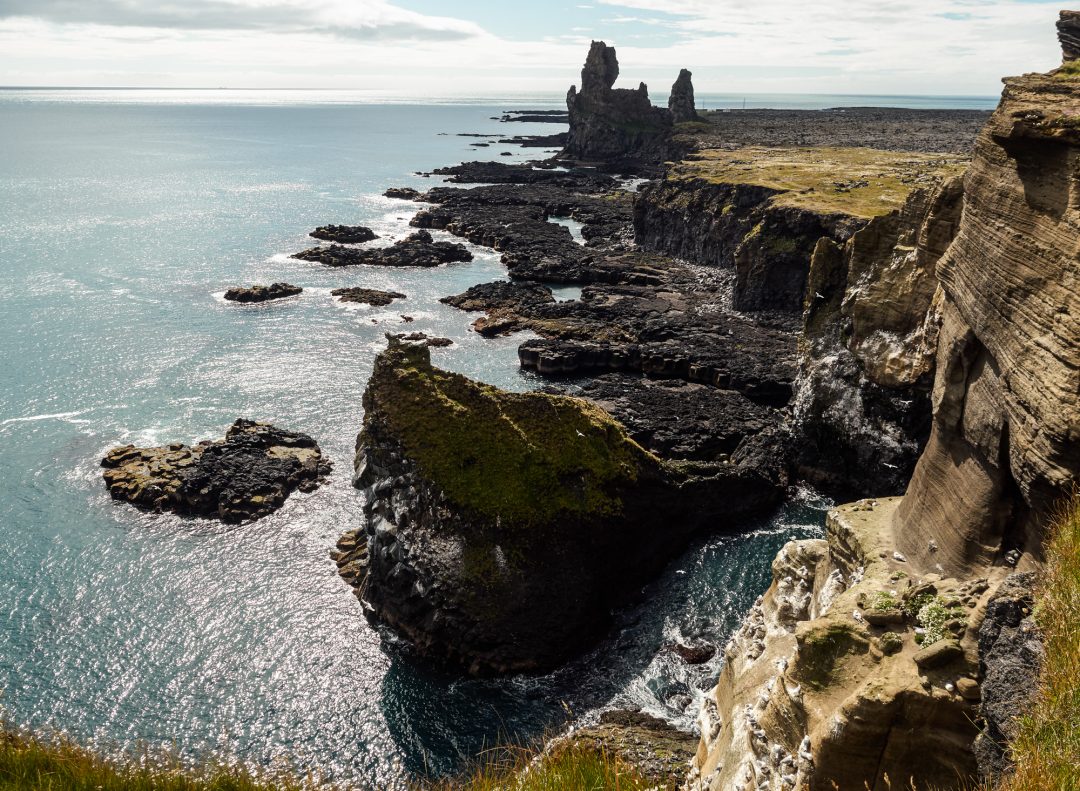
column 1047, row 748
column 567, row 768
column 35, row 764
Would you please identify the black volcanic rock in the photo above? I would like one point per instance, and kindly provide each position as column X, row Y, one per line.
column 418, row 249
column 262, row 293
column 402, row 193
column 345, row 234
column 246, row 476
column 681, row 101
column 502, row 528
column 366, row 296
column 612, row 124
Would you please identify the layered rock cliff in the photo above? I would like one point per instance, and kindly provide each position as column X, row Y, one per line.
column 1003, row 447
column 879, row 654
column 501, row 528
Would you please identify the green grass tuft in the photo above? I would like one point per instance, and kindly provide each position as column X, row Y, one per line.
column 517, row 459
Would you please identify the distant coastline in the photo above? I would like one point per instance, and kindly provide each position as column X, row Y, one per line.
column 315, row 96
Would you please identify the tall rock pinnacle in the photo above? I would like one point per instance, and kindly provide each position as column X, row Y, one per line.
column 681, row 101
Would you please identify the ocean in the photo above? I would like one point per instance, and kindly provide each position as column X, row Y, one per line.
column 124, row 216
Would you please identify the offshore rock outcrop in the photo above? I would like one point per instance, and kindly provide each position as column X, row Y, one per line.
column 1003, row 447
column 1068, row 29
column 613, row 124
column 262, row 293
column 417, row 249
column 501, row 528
column 866, row 360
column 681, row 101
column 366, row 296
column 345, row 234
column 245, row 476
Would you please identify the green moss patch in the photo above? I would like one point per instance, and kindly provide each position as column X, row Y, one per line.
column 518, row 459
column 861, row 182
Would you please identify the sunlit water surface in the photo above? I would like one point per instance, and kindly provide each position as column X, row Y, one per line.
column 121, row 224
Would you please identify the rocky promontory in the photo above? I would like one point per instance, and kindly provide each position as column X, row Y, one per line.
column 262, row 293
column 501, row 528
column 245, row 476
column 417, row 249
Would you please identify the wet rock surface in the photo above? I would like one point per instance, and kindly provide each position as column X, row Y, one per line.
column 245, row 476
column 345, row 234
column 417, row 249
column 262, row 293
column 366, row 296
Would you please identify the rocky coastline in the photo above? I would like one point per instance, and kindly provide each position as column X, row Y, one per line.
column 884, row 309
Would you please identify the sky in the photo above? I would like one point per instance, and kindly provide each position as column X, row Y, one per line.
column 491, row 48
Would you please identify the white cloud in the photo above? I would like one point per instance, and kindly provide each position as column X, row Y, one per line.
column 732, row 46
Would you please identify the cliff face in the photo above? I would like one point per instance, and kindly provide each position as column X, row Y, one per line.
column 501, row 528
column 871, row 652
column 827, row 684
column 763, row 210
column 614, row 124
column 866, row 362
column 1003, row 446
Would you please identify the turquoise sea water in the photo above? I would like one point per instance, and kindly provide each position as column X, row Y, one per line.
column 122, row 220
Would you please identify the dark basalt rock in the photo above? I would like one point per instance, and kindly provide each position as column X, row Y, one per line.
column 613, row 124
column 246, row 476
column 345, row 234
column 402, row 193
column 584, row 179
column 419, row 338
column 366, row 296
column 417, row 249
column 693, row 654
column 676, row 419
column 1010, row 656
column 681, row 100
column 502, row 528
column 536, row 116
column 504, row 302
column 262, row 293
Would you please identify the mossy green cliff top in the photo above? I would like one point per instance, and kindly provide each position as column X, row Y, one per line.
column 519, row 459
column 861, row 182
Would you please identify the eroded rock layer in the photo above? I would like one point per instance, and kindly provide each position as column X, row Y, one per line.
column 1003, row 447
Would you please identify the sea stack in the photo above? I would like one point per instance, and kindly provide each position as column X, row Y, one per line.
column 681, row 101
column 608, row 123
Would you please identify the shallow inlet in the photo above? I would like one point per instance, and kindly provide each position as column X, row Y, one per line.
column 121, row 221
